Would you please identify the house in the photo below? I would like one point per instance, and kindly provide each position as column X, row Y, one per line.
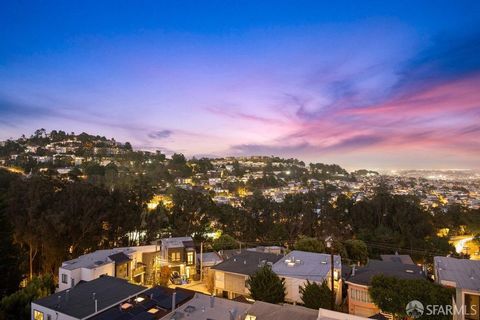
column 400, row 258
column 231, row 275
column 203, row 307
column 267, row 311
column 299, row 266
column 151, row 304
column 85, row 300
column 180, row 255
column 359, row 301
column 131, row 263
column 464, row 276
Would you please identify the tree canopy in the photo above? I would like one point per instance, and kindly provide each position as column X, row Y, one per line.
column 316, row 295
column 266, row 286
column 309, row 244
column 392, row 295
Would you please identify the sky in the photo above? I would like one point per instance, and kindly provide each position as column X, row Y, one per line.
column 364, row 84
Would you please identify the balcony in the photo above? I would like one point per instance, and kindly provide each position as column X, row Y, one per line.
column 140, row 269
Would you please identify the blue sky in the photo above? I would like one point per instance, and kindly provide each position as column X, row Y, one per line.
column 364, row 84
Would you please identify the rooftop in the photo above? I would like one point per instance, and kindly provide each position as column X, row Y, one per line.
column 459, row 273
column 364, row 275
column 306, row 265
column 267, row 311
column 247, row 262
column 79, row 301
column 177, row 242
column 210, row 258
column 399, row 258
column 200, row 308
column 101, row 257
column 151, row 304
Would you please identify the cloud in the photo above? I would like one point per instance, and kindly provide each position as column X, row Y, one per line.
column 12, row 109
column 162, row 134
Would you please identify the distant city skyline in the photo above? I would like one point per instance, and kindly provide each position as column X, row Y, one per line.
column 373, row 85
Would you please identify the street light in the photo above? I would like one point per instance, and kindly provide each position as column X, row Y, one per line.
column 329, row 243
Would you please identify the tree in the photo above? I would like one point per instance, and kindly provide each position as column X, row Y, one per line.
column 357, row 250
column 10, row 253
column 391, row 294
column 224, row 242
column 316, row 296
column 28, row 204
column 17, row 305
column 164, row 276
column 309, row 244
column 266, row 286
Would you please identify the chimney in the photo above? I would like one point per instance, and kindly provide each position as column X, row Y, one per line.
column 93, row 296
column 67, row 294
column 174, row 302
column 96, row 305
column 212, row 301
column 353, row 271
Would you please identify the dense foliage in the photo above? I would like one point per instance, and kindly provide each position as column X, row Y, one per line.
column 316, row 295
column 17, row 305
column 392, row 295
column 265, row 285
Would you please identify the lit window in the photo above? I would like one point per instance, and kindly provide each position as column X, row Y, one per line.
column 175, row 256
column 37, row 315
column 189, row 257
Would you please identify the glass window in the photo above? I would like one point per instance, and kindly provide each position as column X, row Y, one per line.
column 360, row 295
column 175, row 256
column 64, row 278
column 189, row 257
column 472, row 303
column 37, row 315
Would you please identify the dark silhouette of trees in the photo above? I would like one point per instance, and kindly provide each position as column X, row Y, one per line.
column 265, row 285
column 316, row 295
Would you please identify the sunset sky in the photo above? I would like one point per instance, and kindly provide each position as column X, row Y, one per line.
column 365, row 84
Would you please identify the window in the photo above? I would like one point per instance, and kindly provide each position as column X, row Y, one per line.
column 472, row 303
column 37, row 315
column 64, row 278
column 189, row 257
column 175, row 256
column 49, row 317
column 360, row 295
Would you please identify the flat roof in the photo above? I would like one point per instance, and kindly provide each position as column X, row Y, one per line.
column 364, row 275
column 268, row 311
column 463, row 272
column 306, row 265
column 151, row 304
column 101, row 257
column 78, row 301
column 199, row 308
column 247, row 262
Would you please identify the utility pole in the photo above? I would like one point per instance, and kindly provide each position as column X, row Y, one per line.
column 329, row 243
column 332, row 271
column 201, row 261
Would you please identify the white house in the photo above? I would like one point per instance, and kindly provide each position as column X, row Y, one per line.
column 299, row 266
column 464, row 276
column 128, row 263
